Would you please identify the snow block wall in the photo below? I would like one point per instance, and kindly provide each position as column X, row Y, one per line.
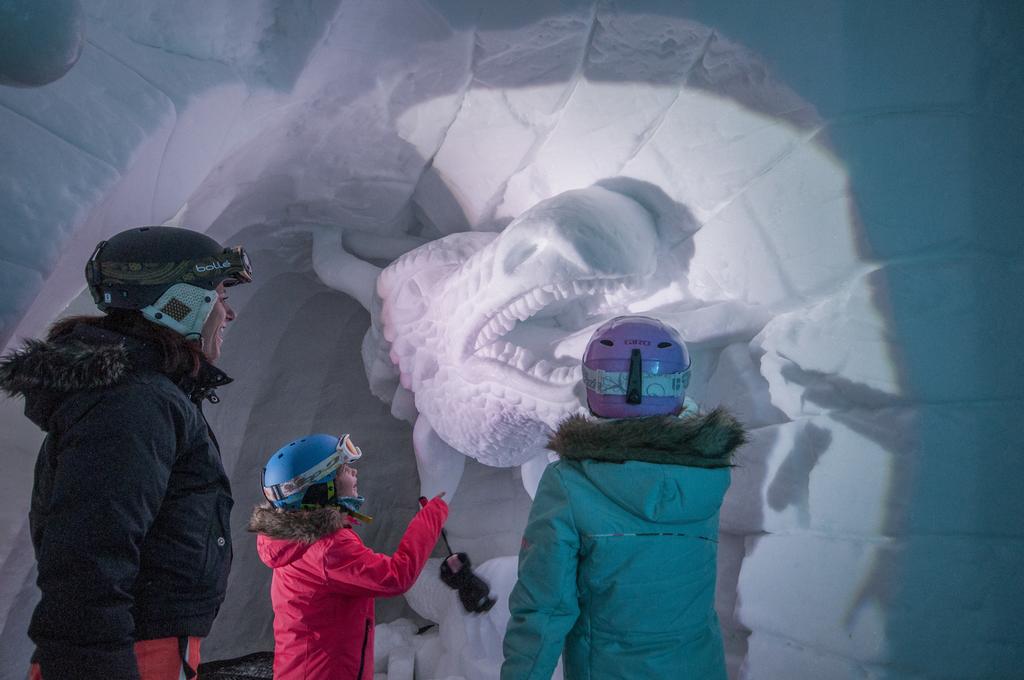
column 822, row 196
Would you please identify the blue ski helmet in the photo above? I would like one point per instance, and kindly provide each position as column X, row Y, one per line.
column 300, row 465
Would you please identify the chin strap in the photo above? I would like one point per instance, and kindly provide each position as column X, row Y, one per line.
column 351, row 505
column 323, row 495
column 365, row 519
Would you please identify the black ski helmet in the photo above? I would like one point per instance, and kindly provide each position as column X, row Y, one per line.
column 167, row 273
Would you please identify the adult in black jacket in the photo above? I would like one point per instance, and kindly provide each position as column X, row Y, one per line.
column 130, row 505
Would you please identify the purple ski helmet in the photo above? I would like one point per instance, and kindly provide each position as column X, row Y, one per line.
column 635, row 366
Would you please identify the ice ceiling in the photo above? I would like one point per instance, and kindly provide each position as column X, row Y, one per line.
column 490, row 183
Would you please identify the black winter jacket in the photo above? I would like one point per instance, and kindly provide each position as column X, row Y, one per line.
column 130, row 504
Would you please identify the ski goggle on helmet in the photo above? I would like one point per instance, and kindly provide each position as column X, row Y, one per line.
column 635, row 366
column 300, row 467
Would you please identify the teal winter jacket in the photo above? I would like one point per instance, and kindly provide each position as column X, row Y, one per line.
column 617, row 566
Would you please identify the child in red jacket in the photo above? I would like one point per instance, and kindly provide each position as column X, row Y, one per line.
column 325, row 579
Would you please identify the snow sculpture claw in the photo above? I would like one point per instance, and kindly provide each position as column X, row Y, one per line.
column 439, row 465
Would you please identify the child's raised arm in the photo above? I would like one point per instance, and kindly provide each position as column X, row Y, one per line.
column 353, row 569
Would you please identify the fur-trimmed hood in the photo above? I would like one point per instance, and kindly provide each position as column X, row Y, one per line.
column 48, row 373
column 63, row 367
column 705, row 441
column 292, row 531
column 661, row 469
column 305, row 526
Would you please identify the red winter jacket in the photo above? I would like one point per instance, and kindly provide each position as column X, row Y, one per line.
column 324, row 583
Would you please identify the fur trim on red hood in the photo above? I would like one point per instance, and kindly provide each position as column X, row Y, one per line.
column 304, row 526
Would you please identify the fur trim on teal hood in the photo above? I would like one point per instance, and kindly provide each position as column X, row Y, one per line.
column 705, row 441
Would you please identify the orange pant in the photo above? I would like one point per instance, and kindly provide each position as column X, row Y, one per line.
column 157, row 659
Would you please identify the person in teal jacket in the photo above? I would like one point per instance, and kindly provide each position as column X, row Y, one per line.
column 618, row 562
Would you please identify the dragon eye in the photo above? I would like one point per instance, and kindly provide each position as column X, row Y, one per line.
column 607, row 343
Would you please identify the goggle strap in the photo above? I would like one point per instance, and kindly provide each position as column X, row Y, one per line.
column 652, row 385
column 273, row 493
column 232, row 264
column 300, row 482
column 92, row 273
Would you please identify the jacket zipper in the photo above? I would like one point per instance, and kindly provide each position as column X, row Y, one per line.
column 362, row 656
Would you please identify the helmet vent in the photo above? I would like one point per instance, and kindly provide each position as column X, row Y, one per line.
column 663, row 345
column 176, row 309
column 607, row 343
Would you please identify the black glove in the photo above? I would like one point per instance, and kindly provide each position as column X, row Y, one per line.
column 474, row 593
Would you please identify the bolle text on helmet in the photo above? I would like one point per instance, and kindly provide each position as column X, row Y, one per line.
column 636, row 342
column 202, row 268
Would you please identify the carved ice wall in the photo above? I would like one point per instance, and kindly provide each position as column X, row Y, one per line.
column 820, row 196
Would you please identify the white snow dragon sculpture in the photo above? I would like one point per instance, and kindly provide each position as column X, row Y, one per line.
column 484, row 331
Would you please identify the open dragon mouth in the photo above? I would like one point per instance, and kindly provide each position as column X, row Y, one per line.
column 542, row 332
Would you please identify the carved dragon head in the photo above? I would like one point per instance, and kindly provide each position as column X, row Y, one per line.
column 487, row 330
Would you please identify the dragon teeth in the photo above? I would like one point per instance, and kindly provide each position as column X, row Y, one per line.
column 566, row 374
column 525, row 359
column 541, row 298
column 542, row 369
column 537, row 299
column 522, row 308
